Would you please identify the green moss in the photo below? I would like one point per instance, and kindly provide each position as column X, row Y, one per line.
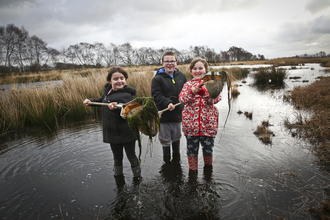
column 143, row 119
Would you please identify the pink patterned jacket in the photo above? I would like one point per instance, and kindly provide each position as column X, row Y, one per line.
column 199, row 116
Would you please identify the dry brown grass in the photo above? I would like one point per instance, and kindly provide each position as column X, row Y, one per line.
column 325, row 61
column 234, row 92
column 263, row 133
column 48, row 104
column 57, row 74
column 315, row 97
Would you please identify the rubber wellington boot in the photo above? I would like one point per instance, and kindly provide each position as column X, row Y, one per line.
column 136, row 171
column 192, row 176
column 120, row 181
column 118, row 170
column 208, row 172
column 176, row 151
column 166, row 154
column 208, row 160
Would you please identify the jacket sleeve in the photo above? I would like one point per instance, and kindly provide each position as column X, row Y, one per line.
column 186, row 95
column 157, row 94
column 96, row 99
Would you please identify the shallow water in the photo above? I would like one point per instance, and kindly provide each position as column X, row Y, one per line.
column 46, row 175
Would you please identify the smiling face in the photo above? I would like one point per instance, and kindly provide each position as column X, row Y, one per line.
column 169, row 63
column 198, row 70
column 118, row 80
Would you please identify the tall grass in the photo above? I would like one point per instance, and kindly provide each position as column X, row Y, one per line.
column 270, row 76
column 49, row 104
column 141, row 82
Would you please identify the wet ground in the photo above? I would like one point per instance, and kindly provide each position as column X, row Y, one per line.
column 68, row 174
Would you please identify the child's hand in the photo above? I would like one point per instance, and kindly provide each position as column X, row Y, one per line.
column 198, row 89
column 112, row 105
column 86, row 101
column 171, row 107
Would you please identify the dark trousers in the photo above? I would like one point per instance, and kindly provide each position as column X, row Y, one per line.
column 118, row 153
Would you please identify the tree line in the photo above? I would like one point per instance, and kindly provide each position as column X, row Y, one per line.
column 20, row 52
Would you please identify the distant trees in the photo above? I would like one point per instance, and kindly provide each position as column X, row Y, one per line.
column 21, row 53
column 320, row 54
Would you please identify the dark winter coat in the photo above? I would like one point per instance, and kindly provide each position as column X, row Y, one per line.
column 166, row 90
column 115, row 128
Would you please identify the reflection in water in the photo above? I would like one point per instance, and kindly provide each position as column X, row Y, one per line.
column 71, row 168
column 169, row 196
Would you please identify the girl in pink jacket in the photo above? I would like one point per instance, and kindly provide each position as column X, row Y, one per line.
column 199, row 116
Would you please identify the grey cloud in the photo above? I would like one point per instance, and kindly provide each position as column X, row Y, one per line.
column 305, row 37
column 315, row 6
column 321, row 25
column 305, row 31
column 14, row 3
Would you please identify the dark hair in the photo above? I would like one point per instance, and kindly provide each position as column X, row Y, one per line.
column 170, row 53
column 116, row 69
column 197, row 59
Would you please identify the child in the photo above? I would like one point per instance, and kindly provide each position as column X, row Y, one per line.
column 115, row 129
column 165, row 89
column 199, row 116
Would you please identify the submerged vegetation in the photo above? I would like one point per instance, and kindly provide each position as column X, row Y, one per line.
column 146, row 120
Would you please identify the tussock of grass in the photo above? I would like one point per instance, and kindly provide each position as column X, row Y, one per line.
column 270, row 76
column 263, row 133
column 234, row 92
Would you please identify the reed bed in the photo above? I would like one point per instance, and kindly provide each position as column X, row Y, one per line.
column 270, row 76
column 315, row 97
column 48, row 104
column 141, row 82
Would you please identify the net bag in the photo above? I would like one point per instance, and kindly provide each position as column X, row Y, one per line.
column 214, row 83
column 142, row 116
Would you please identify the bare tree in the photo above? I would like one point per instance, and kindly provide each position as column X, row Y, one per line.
column 82, row 53
column 111, row 55
column 39, row 47
column 88, row 53
column 126, row 52
column 99, row 53
column 2, row 45
column 142, row 56
column 53, row 55
column 10, row 40
column 23, row 37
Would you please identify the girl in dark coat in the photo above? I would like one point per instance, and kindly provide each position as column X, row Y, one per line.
column 115, row 129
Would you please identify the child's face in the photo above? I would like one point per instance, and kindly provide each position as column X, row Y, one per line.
column 117, row 81
column 169, row 66
column 198, row 70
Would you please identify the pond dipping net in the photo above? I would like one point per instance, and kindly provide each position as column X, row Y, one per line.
column 142, row 116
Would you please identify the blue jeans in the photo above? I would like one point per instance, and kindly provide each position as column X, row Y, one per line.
column 193, row 145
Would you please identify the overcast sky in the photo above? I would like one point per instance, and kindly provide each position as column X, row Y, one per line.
column 273, row 28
